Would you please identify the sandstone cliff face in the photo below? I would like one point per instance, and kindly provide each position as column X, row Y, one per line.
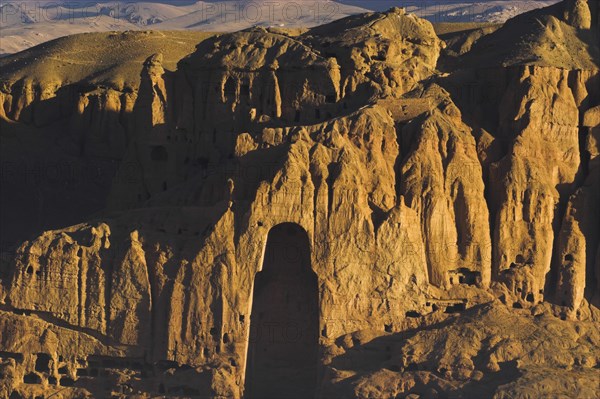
column 528, row 189
column 96, row 120
column 578, row 241
column 67, row 109
column 443, row 182
column 538, row 153
column 432, row 217
column 90, row 88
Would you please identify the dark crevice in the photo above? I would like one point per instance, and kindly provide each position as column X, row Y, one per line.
column 413, row 314
column 42, row 362
column 10, row 355
column 584, row 158
column 80, row 288
column 32, row 378
column 378, row 216
column 107, row 266
column 404, row 148
column 153, row 302
column 333, row 170
column 456, row 308
column 567, row 193
column 464, row 276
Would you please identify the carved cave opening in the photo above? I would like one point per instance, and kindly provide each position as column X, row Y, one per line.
column 284, row 324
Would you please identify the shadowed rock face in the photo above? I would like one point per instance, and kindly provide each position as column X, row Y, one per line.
column 72, row 99
column 284, row 331
column 446, row 222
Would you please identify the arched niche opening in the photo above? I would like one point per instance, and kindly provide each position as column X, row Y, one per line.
column 283, row 344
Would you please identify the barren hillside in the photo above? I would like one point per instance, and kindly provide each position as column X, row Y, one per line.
column 28, row 23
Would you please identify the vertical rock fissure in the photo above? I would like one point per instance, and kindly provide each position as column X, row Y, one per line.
column 108, row 259
column 81, row 288
column 153, row 304
column 331, row 176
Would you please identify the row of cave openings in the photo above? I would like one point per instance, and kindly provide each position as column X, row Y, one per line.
column 42, row 371
column 285, row 293
column 99, row 367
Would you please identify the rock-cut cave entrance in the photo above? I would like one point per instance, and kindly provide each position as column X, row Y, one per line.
column 284, row 325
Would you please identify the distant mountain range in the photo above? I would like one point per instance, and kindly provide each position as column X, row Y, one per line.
column 24, row 24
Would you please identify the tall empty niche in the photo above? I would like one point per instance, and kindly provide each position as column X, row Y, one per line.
column 283, row 345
